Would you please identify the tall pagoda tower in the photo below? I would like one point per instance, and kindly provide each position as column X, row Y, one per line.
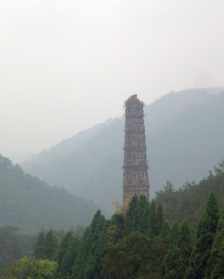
column 135, row 168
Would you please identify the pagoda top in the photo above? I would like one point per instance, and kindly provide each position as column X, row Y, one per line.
column 133, row 100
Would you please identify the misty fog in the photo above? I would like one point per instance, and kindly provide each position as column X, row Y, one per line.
column 67, row 65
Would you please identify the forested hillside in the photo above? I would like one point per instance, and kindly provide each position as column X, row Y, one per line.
column 30, row 204
column 184, row 137
column 157, row 240
column 188, row 202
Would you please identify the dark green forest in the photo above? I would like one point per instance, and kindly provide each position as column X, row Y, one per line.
column 30, row 204
column 178, row 235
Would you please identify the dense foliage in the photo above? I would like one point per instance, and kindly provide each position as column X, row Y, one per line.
column 142, row 243
column 189, row 201
column 27, row 268
column 137, row 245
column 14, row 245
column 30, row 204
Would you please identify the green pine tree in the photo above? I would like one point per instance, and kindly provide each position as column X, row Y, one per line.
column 67, row 253
column 138, row 215
column 115, row 230
column 215, row 267
column 153, row 219
column 51, row 245
column 177, row 258
column 129, row 258
column 70, row 256
column 90, row 259
column 205, row 237
column 39, row 248
column 160, row 219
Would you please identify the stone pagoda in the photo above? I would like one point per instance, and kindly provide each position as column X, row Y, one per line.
column 135, row 168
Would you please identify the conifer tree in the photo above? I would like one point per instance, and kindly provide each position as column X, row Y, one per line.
column 174, row 233
column 138, row 215
column 132, row 215
column 118, row 221
column 184, row 242
column 51, row 245
column 177, row 258
column 156, row 219
column 153, row 219
column 160, row 219
column 115, row 230
column 215, row 267
column 89, row 261
column 65, row 263
column 39, row 248
column 129, row 258
column 65, row 242
column 205, row 237
column 172, row 264
column 143, row 214
column 70, row 247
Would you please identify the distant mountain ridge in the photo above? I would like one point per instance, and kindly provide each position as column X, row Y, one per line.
column 30, row 204
column 184, row 138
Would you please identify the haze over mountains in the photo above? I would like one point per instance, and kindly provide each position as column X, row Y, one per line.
column 184, row 137
column 30, row 204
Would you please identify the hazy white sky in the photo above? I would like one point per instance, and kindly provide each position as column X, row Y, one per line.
column 66, row 65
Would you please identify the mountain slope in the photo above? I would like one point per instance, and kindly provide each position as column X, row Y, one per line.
column 29, row 203
column 189, row 201
column 184, row 137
